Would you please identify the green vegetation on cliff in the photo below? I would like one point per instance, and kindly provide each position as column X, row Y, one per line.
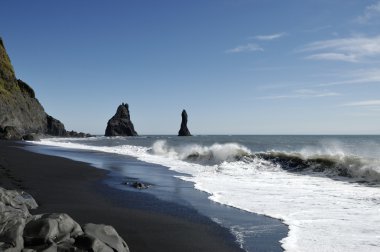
column 20, row 111
column 7, row 73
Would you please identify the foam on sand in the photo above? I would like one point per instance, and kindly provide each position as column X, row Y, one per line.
column 323, row 214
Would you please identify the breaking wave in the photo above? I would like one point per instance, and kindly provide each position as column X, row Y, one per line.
column 208, row 155
column 300, row 180
column 330, row 164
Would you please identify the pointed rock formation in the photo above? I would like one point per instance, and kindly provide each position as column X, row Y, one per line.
column 19, row 108
column 120, row 124
column 184, row 131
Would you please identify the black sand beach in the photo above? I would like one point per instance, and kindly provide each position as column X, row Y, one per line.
column 75, row 188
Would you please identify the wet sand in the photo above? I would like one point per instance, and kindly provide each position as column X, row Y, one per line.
column 62, row 185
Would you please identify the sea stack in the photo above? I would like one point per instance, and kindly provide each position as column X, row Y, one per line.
column 184, row 131
column 120, row 124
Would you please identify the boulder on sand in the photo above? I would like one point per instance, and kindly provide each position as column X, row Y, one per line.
column 14, row 213
column 21, row 231
column 50, row 228
column 106, row 234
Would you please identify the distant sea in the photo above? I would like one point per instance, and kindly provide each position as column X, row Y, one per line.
column 325, row 188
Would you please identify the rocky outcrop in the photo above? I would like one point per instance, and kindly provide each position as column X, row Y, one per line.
column 106, row 234
column 21, row 113
column 14, row 212
column 77, row 134
column 21, row 231
column 18, row 106
column 10, row 133
column 54, row 127
column 120, row 124
column 184, row 131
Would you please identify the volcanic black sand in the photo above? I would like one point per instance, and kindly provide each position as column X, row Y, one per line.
column 76, row 188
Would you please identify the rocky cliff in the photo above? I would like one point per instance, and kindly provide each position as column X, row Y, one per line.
column 184, row 131
column 120, row 124
column 20, row 111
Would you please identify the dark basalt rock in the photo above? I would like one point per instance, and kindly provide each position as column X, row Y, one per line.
column 19, row 107
column 50, row 228
column 54, row 127
column 89, row 243
column 77, row 134
column 51, row 232
column 184, row 131
column 120, row 124
column 10, row 133
column 140, row 185
column 106, row 234
column 31, row 137
column 26, row 89
column 135, row 183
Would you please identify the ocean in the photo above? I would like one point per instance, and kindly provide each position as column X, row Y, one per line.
column 326, row 189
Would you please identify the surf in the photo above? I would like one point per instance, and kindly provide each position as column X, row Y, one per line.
column 326, row 192
column 329, row 164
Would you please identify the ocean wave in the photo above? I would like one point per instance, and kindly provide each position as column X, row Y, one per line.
column 330, row 164
column 277, row 183
column 350, row 166
column 208, row 155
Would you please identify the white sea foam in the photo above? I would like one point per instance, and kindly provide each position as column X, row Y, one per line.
column 322, row 214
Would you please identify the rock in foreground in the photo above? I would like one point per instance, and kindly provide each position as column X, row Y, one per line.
column 21, row 231
column 184, row 131
column 120, row 124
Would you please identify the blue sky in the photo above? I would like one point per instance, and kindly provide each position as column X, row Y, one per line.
column 236, row 66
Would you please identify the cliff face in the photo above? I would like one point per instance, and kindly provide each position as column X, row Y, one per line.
column 120, row 124
column 19, row 108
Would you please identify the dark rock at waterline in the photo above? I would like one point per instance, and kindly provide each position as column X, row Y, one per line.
column 120, row 124
column 136, row 184
column 31, row 137
column 54, row 127
column 184, row 131
column 77, row 134
column 139, row 185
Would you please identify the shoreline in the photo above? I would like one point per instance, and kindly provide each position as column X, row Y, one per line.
column 76, row 188
column 253, row 232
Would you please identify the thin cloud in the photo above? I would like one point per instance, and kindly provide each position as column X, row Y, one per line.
column 371, row 12
column 367, row 76
column 367, row 106
column 367, row 103
column 341, row 78
column 251, row 47
column 302, row 94
column 270, row 36
column 333, row 56
column 353, row 49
